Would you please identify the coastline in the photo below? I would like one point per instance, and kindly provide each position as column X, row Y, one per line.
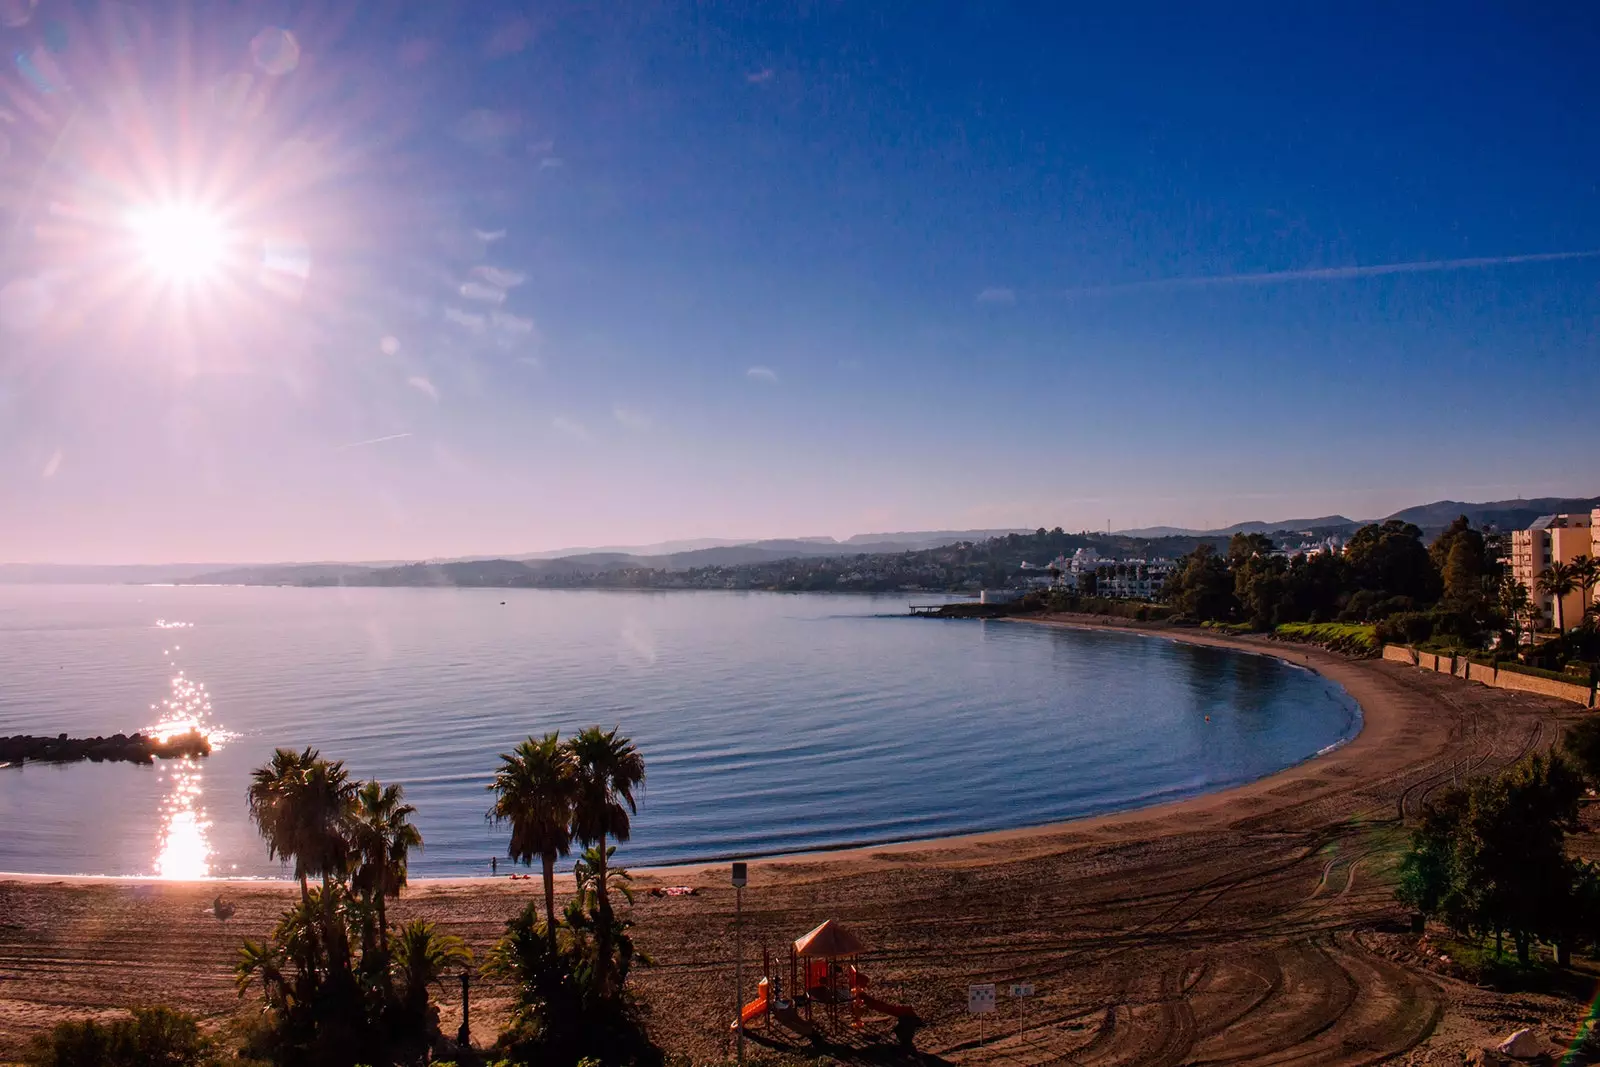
column 1378, row 721
column 1253, row 924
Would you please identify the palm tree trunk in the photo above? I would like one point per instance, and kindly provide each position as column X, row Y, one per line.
column 548, row 859
column 603, row 920
column 383, row 925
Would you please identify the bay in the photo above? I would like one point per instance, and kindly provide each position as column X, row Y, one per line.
column 769, row 722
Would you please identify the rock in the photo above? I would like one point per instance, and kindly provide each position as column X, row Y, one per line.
column 1522, row 1045
column 1482, row 1057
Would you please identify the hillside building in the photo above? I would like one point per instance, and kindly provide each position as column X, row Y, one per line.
column 1554, row 539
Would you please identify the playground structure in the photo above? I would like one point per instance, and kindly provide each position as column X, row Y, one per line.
column 822, row 975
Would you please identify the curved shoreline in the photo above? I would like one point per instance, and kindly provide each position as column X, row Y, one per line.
column 1371, row 708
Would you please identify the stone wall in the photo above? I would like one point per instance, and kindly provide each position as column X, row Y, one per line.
column 1461, row 667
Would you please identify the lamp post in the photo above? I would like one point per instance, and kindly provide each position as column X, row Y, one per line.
column 740, row 877
column 464, row 1036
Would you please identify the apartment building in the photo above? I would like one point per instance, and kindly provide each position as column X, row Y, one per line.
column 1554, row 539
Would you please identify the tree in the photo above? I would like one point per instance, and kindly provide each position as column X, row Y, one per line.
column 1243, row 546
column 152, row 1037
column 535, row 790
column 1586, row 573
column 272, row 805
column 1558, row 581
column 1514, row 606
column 1428, row 877
column 1490, row 857
column 422, row 957
column 1202, row 588
column 609, row 770
column 382, row 834
column 1389, row 558
column 1581, row 741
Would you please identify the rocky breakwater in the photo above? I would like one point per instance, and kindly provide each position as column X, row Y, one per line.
column 121, row 748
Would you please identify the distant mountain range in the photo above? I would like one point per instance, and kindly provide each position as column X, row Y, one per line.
column 670, row 555
column 721, row 552
column 1502, row 514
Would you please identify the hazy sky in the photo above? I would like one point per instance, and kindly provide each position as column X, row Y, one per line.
column 503, row 277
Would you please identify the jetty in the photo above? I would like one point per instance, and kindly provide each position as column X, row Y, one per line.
column 118, row 748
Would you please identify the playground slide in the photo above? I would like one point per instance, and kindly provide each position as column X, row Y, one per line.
column 884, row 1007
column 753, row 1012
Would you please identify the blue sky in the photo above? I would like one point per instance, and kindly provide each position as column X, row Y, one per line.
column 510, row 277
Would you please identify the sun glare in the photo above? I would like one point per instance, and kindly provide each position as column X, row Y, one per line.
column 180, row 243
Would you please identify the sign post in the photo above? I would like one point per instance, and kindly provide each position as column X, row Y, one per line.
column 980, row 1002
column 740, row 877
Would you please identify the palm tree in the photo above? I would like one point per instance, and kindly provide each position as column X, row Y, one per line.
column 1558, row 580
column 422, row 955
column 1586, row 573
column 382, row 835
column 609, row 769
column 272, row 809
column 301, row 803
column 535, row 789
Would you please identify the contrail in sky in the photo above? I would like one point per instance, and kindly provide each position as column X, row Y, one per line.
column 375, row 440
column 1319, row 274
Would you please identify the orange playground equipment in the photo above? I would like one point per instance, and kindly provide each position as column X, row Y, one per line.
column 823, row 973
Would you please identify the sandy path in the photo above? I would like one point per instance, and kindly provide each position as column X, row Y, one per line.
column 1248, row 926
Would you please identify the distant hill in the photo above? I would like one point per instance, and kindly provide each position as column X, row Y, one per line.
column 1502, row 514
column 1327, row 523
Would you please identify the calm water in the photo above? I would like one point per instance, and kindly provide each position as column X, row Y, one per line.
column 769, row 722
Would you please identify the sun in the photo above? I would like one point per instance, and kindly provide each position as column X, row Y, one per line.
column 180, row 243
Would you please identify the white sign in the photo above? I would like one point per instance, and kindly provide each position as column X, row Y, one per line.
column 980, row 998
column 1022, row 989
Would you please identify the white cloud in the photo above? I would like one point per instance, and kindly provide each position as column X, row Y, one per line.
column 508, row 323
column 570, row 427
column 487, row 293
column 52, row 465
column 762, row 374
column 390, row 345
column 631, row 418
column 997, row 295
column 499, row 277
column 759, row 76
column 470, row 320
column 530, row 361
column 423, row 386
column 488, row 236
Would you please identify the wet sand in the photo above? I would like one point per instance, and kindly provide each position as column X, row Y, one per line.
column 1256, row 924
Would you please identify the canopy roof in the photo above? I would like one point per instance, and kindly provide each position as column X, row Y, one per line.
column 829, row 939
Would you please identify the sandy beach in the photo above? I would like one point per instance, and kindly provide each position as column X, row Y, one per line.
column 1252, row 925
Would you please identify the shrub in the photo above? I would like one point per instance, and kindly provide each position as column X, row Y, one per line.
column 1405, row 628
column 153, row 1037
column 1350, row 639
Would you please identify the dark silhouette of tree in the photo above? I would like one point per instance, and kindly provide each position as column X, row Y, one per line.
column 535, row 789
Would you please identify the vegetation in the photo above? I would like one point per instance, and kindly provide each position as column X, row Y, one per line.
column 336, row 989
column 570, row 973
column 152, row 1037
column 1489, row 860
column 1454, row 595
column 1351, row 638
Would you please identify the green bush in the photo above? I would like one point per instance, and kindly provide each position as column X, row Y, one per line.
column 1348, row 638
column 1405, row 628
column 153, row 1037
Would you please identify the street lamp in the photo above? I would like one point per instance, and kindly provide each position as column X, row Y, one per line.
column 740, row 877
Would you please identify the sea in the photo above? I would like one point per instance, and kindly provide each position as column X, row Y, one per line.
column 769, row 723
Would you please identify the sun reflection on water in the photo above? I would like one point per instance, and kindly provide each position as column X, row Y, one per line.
column 183, row 846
